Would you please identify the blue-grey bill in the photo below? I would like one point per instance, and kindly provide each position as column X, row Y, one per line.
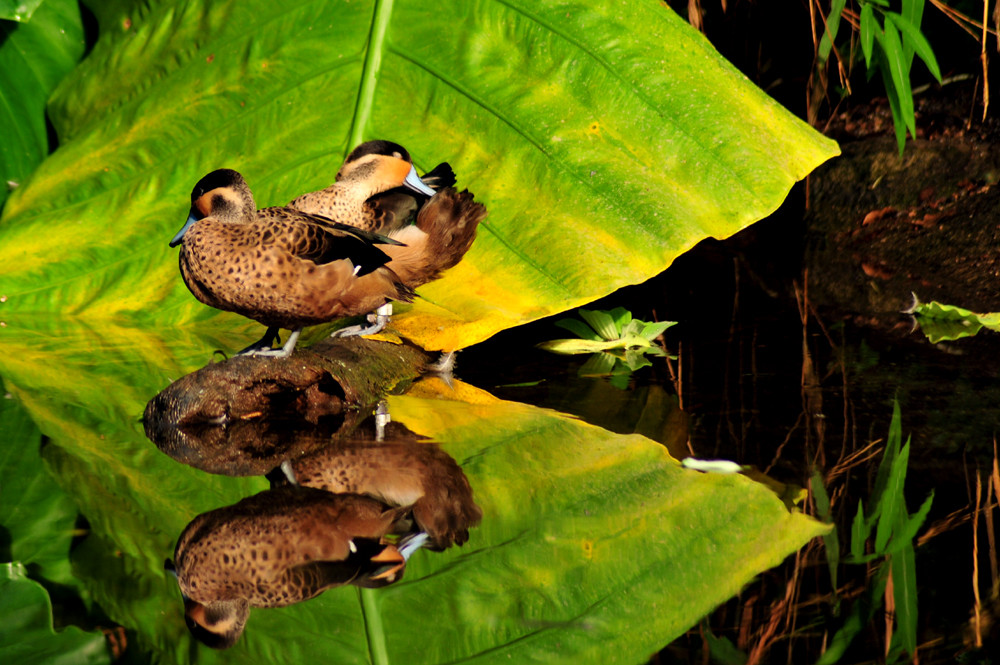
column 412, row 544
column 414, row 182
column 180, row 234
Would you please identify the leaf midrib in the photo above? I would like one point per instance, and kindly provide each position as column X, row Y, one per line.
column 374, row 51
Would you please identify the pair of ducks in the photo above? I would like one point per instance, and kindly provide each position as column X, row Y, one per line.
column 350, row 513
column 373, row 236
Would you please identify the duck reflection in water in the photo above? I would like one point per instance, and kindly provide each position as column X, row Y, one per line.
column 283, row 546
column 398, row 472
column 351, row 512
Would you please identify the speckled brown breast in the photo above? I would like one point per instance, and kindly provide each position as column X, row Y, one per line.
column 277, row 547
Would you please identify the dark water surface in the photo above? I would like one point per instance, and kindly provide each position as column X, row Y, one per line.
column 763, row 387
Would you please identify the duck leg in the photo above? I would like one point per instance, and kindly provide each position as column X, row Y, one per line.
column 382, row 418
column 264, row 342
column 378, row 321
column 284, row 351
column 262, row 347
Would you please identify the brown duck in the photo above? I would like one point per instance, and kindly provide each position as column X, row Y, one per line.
column 399, row 472
column 292, row 267
column 280, row 547
column 377, row 188
column 279, row 266
column 433, row 223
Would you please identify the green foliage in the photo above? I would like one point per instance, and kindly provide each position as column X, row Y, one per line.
column 594, row 546
column 619, row 343
column 722, row 650
column 34, row 57
column 19, row 10
column 831, row 541
column 894, row 532
column 26, row 633
column 944, row 323
column 601, row 151
column 37, row 517
column 889, row 41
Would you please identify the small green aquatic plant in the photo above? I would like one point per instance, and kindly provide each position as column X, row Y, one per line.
column 945, row 323
column 619, row 344
column 883, row 533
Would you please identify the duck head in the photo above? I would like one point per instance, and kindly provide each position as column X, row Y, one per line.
column 217, row 625
column 222, row 194
column 379, row 166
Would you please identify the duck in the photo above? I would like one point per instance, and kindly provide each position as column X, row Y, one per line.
column 282, row 267
column 377, row 208
column 400, row 471
column 376, row 188
column 284, row 546
column 433, row 224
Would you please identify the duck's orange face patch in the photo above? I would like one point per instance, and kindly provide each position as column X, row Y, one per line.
column 217, row 199
column 379, row 171
column 391, row 171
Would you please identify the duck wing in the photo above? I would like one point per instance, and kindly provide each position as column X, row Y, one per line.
column 321, row 240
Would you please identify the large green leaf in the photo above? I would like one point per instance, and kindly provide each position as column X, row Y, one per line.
column 594, row 546
column 605, row 138
column 34, row 57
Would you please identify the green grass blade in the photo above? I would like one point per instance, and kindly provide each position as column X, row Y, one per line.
column 913, row 12
column 889, row 454
column 859, row 532
column 915, row 40
column 857, row 619
column 830, row 31
column 869, row 26
column 904, row 591
column 830, row 541
column 899, row 70
column 893, row 501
